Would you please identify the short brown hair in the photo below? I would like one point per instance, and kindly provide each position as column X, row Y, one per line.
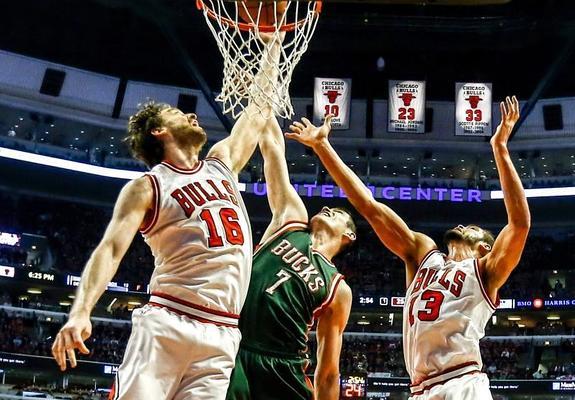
column 143, row 145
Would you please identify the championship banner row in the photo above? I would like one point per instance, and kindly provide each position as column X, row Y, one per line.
column 406, row 106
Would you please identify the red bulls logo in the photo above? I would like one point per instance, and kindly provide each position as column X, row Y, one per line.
column 474, row 101
column 332, row 95
column 407, row 97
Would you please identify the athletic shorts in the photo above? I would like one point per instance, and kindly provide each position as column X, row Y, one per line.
column 172, row 357
column 264, row 377
column 467, row 387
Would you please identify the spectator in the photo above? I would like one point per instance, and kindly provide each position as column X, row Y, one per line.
column 538, row 374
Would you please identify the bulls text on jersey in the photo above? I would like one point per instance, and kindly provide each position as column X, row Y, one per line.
column 197, row 194
column 451, row 279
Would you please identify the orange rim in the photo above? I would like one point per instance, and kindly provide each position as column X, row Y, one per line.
column 245, row 26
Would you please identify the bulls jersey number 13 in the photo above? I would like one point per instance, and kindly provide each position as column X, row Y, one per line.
column 445, row 313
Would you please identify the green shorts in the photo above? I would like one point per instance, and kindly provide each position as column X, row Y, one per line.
column 258, row 376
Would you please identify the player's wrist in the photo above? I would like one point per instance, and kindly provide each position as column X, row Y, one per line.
column 81, row 313
column 321, row 144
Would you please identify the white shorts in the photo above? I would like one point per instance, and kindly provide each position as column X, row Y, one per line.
column 468, row 387
column 170, row 356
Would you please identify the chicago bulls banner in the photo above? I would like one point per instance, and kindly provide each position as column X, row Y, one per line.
column 406, row 106
column 473, row 109
column 332, row 96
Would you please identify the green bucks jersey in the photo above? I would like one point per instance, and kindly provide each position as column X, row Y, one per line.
column 291, row 284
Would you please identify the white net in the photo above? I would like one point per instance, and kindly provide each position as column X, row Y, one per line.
column 251, row 74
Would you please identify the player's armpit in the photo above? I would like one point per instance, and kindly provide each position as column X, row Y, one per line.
column 330, row 329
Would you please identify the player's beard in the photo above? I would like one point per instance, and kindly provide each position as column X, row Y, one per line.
column 188, row 137
column 453, row 235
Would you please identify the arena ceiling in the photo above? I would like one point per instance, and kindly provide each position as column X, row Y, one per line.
column 512, row 43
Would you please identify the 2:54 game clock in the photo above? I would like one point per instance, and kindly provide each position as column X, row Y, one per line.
column 353, row 387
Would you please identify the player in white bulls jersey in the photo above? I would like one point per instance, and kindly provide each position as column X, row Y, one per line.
column 191, row 214
column 449, row 297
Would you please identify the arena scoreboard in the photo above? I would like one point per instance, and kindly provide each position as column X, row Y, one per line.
column 353, row 387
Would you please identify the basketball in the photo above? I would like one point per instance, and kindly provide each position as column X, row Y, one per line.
column 248, row 11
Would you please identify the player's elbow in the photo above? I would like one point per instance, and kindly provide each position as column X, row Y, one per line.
column 267, row 145
column 274, row 158
column 521, row 226
column 108, row 252
column 525, row 227
column 520, row 219
column 327, row 378
column 526, row 221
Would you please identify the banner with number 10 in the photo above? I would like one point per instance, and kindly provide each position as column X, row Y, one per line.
column 332, row 96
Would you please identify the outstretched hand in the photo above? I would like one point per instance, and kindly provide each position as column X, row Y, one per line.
column 308, row 134
column 71, row 337
column 509, row 117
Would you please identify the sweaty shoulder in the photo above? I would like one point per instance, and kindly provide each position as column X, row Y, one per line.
column 138, row 192
column 344, row 294
column 423, row 247
column 341, row 303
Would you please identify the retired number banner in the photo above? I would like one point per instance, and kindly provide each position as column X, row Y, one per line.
column 473, row 109
column 406, row 106
column 332, row 96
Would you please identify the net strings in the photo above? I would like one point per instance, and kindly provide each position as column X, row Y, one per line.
column 243, row 51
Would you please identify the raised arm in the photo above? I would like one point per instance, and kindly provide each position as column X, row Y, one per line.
column 237, row 149
column 409, row 245
column 508, row 246
column 285, row 203
column 131, row 207
column 330, row 329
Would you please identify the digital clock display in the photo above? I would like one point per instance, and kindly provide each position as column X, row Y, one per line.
column 41, row 276
column 366, row 300
column 369, row 301
column 353, row 387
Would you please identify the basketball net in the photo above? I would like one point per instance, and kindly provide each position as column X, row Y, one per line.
column 245, row 52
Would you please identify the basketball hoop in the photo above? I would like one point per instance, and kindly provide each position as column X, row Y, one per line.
column 236, row 26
